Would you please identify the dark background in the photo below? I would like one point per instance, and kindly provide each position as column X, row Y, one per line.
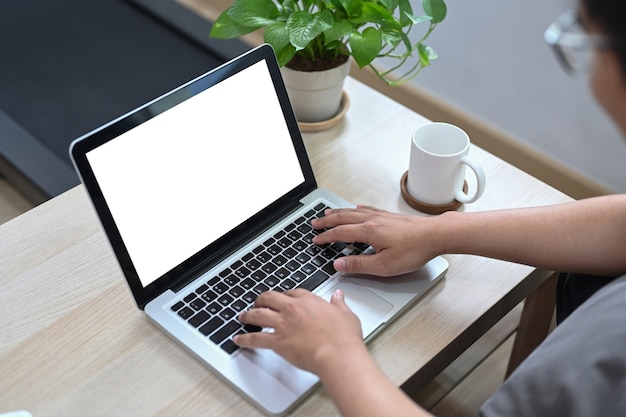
column 69, row 66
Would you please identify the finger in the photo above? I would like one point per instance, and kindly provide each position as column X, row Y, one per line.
column 362, row 264
column 261, row 340
column 345, row 233
column 335, row 217
column 338, row 299
column 263, row 317
column 270, row 299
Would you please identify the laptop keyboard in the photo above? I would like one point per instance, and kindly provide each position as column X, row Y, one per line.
column 287, row 260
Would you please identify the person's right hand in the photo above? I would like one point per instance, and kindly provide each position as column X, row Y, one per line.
column 403, row 243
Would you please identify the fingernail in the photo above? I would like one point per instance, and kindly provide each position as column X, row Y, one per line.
column 340, row 264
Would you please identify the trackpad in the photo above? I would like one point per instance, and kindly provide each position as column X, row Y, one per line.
column 370, row 308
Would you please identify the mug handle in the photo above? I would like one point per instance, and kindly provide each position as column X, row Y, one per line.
column 480, row 181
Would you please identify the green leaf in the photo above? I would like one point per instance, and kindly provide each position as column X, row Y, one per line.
column 435, row 8
column 284, row 55
column 405, row 8
column 418, row 19
column 225, row 28
column 426, row 54
column 374, row 13
column 339, row 30
column 365, row 46
column 393, row 37
column 276, row 35
column 303, row 27
column 390, row 4
column 256, row 14
column 287, row 7
column 351, row 7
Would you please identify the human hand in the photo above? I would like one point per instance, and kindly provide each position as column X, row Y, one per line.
column 402, row 243
column 307, row 329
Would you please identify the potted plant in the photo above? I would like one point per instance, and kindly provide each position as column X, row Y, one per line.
column 311, row 36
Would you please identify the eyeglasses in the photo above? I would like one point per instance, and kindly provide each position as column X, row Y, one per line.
column 573, row 46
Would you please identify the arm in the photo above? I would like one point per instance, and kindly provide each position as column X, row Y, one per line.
column 586, row 236
column 325, row 338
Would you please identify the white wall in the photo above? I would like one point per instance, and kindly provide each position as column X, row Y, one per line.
column 494, row 63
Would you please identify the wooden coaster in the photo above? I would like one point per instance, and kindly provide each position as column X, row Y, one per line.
column 327, row 124
column 426, row 207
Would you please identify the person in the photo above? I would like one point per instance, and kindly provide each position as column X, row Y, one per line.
column 579, row 370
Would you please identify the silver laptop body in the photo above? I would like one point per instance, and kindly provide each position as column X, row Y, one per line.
column 196, row 183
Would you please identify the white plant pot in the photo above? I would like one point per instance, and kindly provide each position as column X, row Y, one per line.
column 315, row 96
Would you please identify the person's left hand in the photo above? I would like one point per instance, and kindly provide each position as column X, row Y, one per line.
column 307, row 328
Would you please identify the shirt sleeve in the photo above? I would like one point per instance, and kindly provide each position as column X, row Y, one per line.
column 579, row 370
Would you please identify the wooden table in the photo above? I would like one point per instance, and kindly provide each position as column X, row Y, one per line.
column 73, row 342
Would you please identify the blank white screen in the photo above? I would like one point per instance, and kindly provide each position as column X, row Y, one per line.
column 179, row 181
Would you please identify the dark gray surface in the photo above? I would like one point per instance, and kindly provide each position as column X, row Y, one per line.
column 69, row 66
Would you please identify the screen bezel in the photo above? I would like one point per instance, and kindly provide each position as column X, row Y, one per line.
column 217, row 250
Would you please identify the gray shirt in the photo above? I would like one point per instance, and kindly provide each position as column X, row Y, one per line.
column 579, row 370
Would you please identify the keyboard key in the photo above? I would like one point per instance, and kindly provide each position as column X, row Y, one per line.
column 227, row 314
column 287, row 284
column 199, row 318
column 294, row 235
column 261, row 287
column 290, row 253
column 251, row 328
column 329, row 268
column 308, row 268
column 314, row 281
column 292, row 265
column 253, row 264
column 282, row 273
column 258, row 275
column 225, row 331
column 264, row 257
column 189, row 298
column 220, row 287
column 279, row 260
column 201, row 289
column 185, row 312
column 209, row 296
column 229, row 346
column 242, row 272
column 284, row 242
column 236, row 291
column 298, row 276
column 178, row 306
column 211, row 325
column 274, row 250
column 303, row 258
column 225, row 300
column 271, row 281
column 268, row 268
column 249, row 297
column 197, row 304
column 239, row 305
column 214, row 308
column 247, row 283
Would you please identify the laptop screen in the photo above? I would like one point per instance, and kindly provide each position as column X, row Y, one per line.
column 179, row 174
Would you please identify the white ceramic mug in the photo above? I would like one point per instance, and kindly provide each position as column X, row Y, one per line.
column 439, row 155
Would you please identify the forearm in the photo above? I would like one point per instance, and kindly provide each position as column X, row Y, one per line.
column 360, row 389
column 587, row 236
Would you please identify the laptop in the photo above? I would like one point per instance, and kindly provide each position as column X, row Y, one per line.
column 206, row 195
